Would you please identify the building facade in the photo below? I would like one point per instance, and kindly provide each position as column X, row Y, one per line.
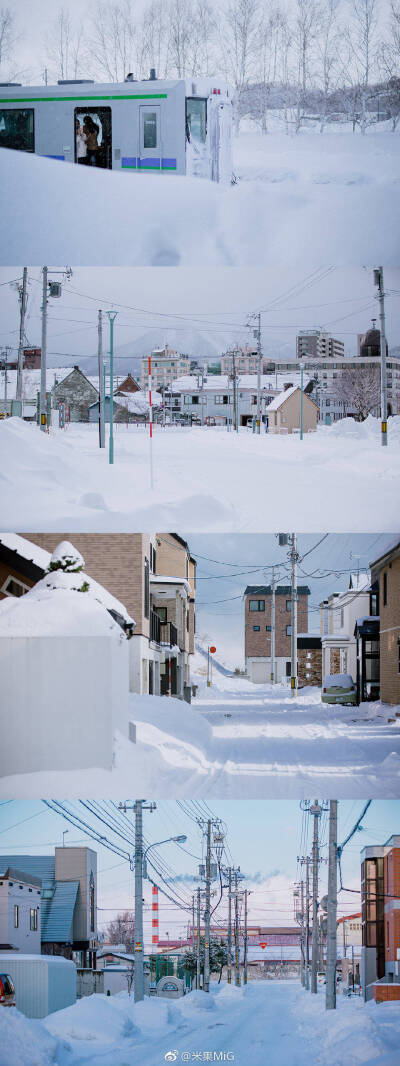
column 166, row 366
column 318, row 345
column 20, row 910
column 385, row 572
column 338, row 616
column 380, row 904
column 258, row 599
column 289, row 409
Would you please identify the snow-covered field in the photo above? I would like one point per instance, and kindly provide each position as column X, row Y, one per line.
column 339, row 478
column 274, row 1022
column 239, row 739
column 309, row 198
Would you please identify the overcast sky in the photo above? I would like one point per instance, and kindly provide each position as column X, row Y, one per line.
column 264, row 839
column 191, row 308
column 220, row 586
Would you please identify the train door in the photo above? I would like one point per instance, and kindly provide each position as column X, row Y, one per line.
column 220, row 134
column 150, row 137
column 93, row 136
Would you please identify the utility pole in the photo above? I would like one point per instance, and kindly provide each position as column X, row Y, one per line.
column 138, row 807
column 111, row 318
column 293, row 641
column 273, row 626
column 237, row 962
column 307, row 943
column 301, row 400
column 378, row 279
column 193, row 906
column 258, row 332
column 229, row 925
column 331, row 948
column 302, row 945
column 102, row 436
column 245, row 939
column 22, row 294
column 207, row 915
column 198, row 941
column 316, row 812
column 43, row 364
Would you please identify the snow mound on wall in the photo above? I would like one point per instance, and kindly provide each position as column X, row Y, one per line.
column 25, row 1041
column 92, row 1018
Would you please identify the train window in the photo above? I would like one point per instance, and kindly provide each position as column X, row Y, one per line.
column 93, row 136
column 196, row 119
column 17, row 129
column 149, row 128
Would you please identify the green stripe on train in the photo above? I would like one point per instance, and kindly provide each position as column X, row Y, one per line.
column 72, row 99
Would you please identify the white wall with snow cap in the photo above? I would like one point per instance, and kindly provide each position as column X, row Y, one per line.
column 64, row 679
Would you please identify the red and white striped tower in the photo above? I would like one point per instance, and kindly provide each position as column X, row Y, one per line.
column 154, row 919
column 151, row 427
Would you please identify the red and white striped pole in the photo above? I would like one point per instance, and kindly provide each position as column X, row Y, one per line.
column 151, row 426
column 154, row 920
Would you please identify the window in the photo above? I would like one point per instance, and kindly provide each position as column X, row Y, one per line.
column 268, row 628
column 341, row 617
column 93, row 136
column 256, row 605
column 17, row 129
column 149, row 128
column 146, row 589
column 162, row 614
column 385, row 589
column 256, row 629
column 288, row 605
column 16, row 915
column 221, row 399
column 13, row 587
column 288, row 631
column 196, row 120
column 33, row 919
column 288, row 669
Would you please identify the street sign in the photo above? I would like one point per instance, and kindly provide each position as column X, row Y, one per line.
column 263, row 946
column 212, row 649
column 138, row 945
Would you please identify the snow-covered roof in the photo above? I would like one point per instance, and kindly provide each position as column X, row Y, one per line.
column 217, row 382
column 159, row 580
column 31, row 381
column 277, row 402
column 32, row 552
column 392, row 544
column 359, row 582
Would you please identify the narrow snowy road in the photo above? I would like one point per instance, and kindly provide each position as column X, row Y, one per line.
column 267, row 1022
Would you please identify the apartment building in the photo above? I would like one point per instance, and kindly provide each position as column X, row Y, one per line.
column 245, row 360
column 64, row 892
column 257, row 628
column 153, row 573
column 210, row 400
column 327, row 373
column 166, row 365
column 385, row 572
column 318, row 345
column 380, row 905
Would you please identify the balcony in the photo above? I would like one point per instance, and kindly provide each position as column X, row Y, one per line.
column 169, row 634
column 155, row 628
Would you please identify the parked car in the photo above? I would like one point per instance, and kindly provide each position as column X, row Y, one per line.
column 339, row 688
column 7, row 991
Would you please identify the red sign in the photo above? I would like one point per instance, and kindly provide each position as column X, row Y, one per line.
column 263, row 946
column 212, row 649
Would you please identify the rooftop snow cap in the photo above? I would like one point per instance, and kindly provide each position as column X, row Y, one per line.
column 65, row 557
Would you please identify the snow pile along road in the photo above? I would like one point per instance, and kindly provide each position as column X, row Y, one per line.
column 204, row 479
column 295, row 194
column 266, row 1021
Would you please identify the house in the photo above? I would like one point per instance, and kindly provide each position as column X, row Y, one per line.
column 284, row 412
column 20, row 909
column 210, row 399
column 64, row 893
column 129, row 384
column 309, row 659
column 131, row 406
column 385, row 572
column 258, row 599
column 77, row 393
column 153, row 575
column 338, row 615
column 30, row 389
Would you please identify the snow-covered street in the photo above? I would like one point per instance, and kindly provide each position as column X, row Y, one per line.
column 270, row 1022
column 204, row 479
column 297, row 195
column 241, row 739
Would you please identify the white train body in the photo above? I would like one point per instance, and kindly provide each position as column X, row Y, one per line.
column 178, row 127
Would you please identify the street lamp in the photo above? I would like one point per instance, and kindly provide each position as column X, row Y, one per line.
column 170, row 840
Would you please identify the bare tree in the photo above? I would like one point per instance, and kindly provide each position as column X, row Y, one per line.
column 203, row 39
column 389, row 56
column 153, row 40
column 329, row 48
column 64, row 46
column 239, row 44
column 359, row 391
column 8, row 36
column 112, row 43
column 306, row 25
column 363, row 49
column 121, row 931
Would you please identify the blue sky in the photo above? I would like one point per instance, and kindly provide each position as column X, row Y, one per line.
column 251, row 556
column 264, row 839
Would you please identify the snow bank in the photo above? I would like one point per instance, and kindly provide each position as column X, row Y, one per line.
column 205, row 480
column 304, row 193
column 25, row 1042
column 93, row 1018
